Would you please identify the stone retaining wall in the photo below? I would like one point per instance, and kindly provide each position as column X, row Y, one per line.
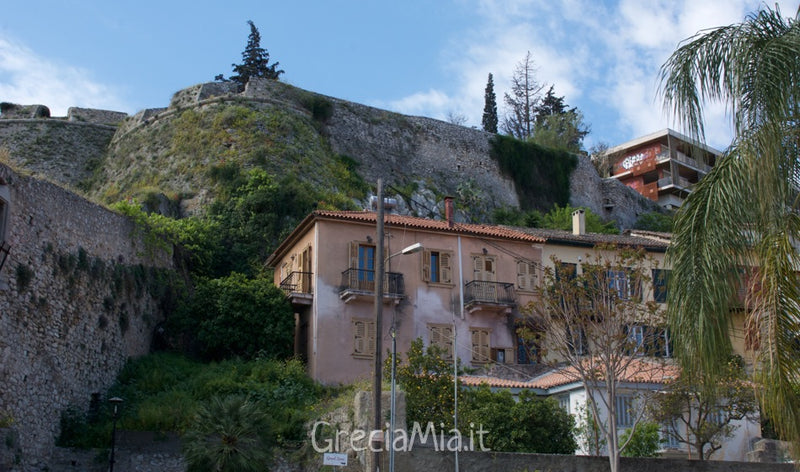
column 76, row 301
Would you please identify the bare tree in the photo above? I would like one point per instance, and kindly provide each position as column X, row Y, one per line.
column 702, row 415
column 595, row 319
column 456, row 118
column 526, row 92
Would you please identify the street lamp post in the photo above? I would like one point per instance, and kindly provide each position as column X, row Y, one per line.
column 116, row 401
column 414, row 248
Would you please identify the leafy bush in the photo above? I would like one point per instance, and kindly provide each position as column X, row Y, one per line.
column 163, row 392
column 557, row 218
column 646, row 441
column 235, row 316
column 531, row 424
column 655, row 221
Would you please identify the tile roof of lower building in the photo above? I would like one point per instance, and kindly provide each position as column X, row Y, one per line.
column 637, row 371
column 649, row 240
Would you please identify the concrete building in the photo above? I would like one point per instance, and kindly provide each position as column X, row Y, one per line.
column 662, row 166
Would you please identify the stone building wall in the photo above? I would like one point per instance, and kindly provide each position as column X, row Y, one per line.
column 77, row 300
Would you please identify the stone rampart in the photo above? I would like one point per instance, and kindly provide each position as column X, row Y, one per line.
column 92, row 115
column 77, row 300
column 61, row 151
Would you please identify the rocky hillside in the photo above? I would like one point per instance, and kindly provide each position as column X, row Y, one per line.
column 174, row 157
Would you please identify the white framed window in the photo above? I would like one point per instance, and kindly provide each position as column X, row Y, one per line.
column 625, row 411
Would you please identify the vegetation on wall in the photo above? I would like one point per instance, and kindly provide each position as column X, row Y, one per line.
column 542, row 175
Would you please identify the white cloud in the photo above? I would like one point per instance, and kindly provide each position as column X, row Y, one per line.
column 27, row 78
column 604, row 58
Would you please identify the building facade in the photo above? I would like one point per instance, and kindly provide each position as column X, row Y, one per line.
column 467, row 283
column 662, row 166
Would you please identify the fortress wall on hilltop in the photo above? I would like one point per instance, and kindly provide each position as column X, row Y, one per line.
column 62, row 151
column 74, row 305
column 92, row 115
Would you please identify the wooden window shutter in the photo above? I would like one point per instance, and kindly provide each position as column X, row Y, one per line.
column 426, row 265
column 522, row 275
column 353, row 255
column 444, row 265
column 359, row 337
column 371, row 338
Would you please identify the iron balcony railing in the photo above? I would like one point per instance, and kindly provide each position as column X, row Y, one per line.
column 495, row 293
column 297, row 282
column 363, row 281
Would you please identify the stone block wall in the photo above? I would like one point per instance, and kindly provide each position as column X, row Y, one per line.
column 77, row 300
column 92, row 115
column 60, row 151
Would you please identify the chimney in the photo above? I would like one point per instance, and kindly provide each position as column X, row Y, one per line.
column 578, row 222
column 448, row 210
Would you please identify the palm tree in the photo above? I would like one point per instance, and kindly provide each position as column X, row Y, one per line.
column 741, row 225
column 229, row 434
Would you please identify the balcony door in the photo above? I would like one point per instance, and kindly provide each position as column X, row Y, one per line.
column 484, row 270
column 362, row 261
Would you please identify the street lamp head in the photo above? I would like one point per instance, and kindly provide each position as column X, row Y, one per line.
column 416, row 247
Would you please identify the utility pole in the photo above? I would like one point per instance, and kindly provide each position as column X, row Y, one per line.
column 376, row 436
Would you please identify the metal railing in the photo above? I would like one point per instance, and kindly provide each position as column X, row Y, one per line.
column 363, row 281
column 497, row 293
column 297, row 282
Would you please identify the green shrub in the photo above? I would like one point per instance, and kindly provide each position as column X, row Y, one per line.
column 645, row 442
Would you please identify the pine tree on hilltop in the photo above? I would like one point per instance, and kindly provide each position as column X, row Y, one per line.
column 255, row 60
column 490, row 107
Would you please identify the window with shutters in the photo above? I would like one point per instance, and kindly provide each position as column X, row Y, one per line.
column 481, row 348
column 436, row 266
column 441, row 335
column 484, row 267
column 526, row 275
column 363, row 338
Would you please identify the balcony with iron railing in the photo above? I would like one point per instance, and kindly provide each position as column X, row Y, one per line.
column 297, row 287
column 359, row 284
column 489, row 296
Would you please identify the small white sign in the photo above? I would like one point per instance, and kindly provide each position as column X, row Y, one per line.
column 334, row 458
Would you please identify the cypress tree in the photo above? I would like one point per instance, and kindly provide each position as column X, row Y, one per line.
column 255, row 60
column 490, row 107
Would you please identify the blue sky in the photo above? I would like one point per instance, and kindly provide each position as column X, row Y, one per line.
column 419, row 57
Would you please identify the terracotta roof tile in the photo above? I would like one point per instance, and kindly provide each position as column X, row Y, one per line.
column 436, row 225
column 648, row 240
column 638, row 371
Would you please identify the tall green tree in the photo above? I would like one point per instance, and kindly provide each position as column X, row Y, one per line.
column 490, row 107
column 526, row 92
column 255, row 60
column 753, row 68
